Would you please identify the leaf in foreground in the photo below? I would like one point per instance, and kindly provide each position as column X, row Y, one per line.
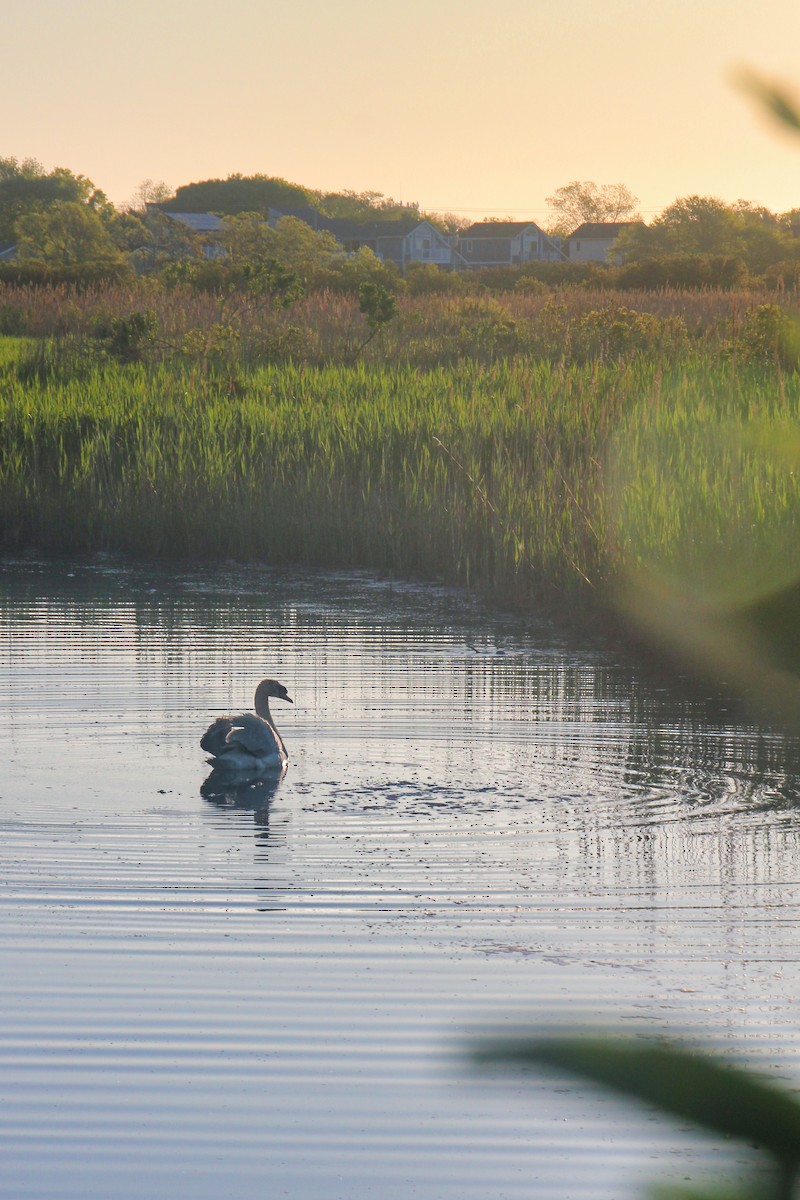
column 687, row 1084
column 774, row 98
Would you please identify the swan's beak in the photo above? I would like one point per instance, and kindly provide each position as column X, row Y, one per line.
column 289, row 698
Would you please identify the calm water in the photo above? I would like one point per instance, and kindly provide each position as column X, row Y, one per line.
column 482, row 825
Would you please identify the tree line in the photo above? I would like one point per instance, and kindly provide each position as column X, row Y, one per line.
column 62, row 224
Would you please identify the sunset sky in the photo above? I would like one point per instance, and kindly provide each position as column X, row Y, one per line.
column 481, row 107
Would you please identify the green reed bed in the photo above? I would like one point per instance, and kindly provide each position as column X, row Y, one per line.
column 508, row 476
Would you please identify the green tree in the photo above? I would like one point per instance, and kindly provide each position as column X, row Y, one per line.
column 304, row 250
column 363, row 207
column 291, row 243
column 150, row 192
column 238, row 194
column 65, row 234
column 700, row 225
column 249, row 240
column 705, row 227
column 26, row 187
column 127, row 230
column 585, row 200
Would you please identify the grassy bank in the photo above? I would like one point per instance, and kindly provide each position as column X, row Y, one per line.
column 510, row 476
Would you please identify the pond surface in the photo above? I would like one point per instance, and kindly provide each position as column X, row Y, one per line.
column 483, row 825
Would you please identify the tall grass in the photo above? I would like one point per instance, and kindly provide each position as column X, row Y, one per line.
column 506, row 476
column 326, row 326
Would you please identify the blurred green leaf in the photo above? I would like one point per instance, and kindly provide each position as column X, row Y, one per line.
column 672, row 1191
column 774, row 98
column 687, row 1084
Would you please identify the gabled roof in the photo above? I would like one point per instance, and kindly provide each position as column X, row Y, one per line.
column 498, row 229
column 602, row 229
column 198, row 222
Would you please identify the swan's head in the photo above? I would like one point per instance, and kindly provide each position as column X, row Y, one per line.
column 270, row 688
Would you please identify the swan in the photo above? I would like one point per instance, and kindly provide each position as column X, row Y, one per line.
column 247, row 745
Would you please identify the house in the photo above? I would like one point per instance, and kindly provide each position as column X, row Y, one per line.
column 8, row 253
column 507, row 244
column 208, row 225
column 593, row 241
column 422, row 243
column 401, row 242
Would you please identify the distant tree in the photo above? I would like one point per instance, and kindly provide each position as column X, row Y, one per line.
column 723, row 235
column 302, row 249
column 26, row 187
column 791, row 221
column 768, row 239
column 578, row 201
column 65, row 234
column 238, row 194
column 701, row 225
column 348, row 271
column 448, row 222
column 248, row 240
column 128, row 230
column 690, row 225
column 292, row 244
column 363, row 207
column 149, row 192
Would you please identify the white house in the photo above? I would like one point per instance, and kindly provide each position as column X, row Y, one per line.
column 593, row 241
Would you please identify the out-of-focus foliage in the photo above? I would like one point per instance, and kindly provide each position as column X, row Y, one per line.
column 687, row 1084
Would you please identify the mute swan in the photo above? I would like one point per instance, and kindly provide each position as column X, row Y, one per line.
column 247, row 745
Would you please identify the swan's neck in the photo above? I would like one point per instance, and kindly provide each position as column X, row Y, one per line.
column 262, row 709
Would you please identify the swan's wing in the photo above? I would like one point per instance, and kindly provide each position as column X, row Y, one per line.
column 214, row 740
column 252, row 734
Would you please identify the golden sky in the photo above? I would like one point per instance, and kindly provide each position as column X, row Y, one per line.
column 474, row 106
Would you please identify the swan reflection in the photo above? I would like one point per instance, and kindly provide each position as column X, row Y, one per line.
column 222, row 791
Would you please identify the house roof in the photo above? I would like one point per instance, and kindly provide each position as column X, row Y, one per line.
column 601, row 229
column 198, row 222
column 346, row 230
column 305, row 213
column 498, row 229
column 8, row 252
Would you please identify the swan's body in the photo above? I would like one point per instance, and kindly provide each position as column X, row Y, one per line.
column 248, row 745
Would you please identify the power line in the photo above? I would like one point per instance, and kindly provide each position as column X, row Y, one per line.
column 499, row 208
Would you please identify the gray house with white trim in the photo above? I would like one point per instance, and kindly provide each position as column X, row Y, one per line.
column 507, row 244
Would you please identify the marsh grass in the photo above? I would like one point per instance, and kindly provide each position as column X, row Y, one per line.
column 429, row 331
column 504, row 476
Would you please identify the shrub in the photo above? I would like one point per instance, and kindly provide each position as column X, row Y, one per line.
column 12, row 322
column 616, row 332
column 424, row 279
column 767, row 335
column 128, row 338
